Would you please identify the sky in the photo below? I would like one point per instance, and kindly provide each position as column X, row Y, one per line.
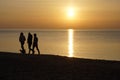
column 50, row 14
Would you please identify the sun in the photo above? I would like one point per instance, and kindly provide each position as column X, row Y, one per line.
column 70, row 12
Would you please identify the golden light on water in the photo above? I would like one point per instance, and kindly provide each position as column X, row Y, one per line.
column 70, row 40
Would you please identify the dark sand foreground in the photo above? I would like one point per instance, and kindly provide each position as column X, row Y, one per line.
column 49, row 67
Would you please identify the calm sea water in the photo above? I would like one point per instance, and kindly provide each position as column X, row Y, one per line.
column 95, row 44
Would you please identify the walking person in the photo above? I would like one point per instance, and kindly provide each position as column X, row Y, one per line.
column 35, row 44
column 29, row 41
column 22, row 42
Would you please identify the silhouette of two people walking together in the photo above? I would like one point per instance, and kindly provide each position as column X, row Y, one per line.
column 32, row 43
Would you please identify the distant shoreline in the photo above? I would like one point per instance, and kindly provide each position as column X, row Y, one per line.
column 27, row 29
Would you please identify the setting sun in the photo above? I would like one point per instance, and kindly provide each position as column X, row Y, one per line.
column 70, row 12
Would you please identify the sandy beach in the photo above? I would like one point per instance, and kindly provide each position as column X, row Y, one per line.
column 15, row 66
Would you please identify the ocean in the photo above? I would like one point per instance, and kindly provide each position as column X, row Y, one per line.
column 92, row 44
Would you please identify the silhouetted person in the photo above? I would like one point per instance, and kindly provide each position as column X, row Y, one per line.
column 29, row 41
column 22, row 42
column 35, row 44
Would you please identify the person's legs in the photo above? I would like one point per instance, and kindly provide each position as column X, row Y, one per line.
column 37, row 49
column 33, row 49
column 29, row 48
column 22, row 48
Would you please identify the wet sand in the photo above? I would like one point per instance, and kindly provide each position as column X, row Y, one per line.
column 15, row 66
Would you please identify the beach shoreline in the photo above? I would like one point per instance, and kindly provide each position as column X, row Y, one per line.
column 51, row 67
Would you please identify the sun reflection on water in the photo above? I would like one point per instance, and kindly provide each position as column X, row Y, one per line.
column 70, row 44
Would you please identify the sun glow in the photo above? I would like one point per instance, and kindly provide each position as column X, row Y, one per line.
column 70, row 39
column 70, row 12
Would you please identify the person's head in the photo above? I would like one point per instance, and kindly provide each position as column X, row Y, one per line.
column 29, row 33
column 35, row 34
column 21, row 33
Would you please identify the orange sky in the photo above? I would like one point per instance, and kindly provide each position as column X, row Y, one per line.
column 89, row 14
